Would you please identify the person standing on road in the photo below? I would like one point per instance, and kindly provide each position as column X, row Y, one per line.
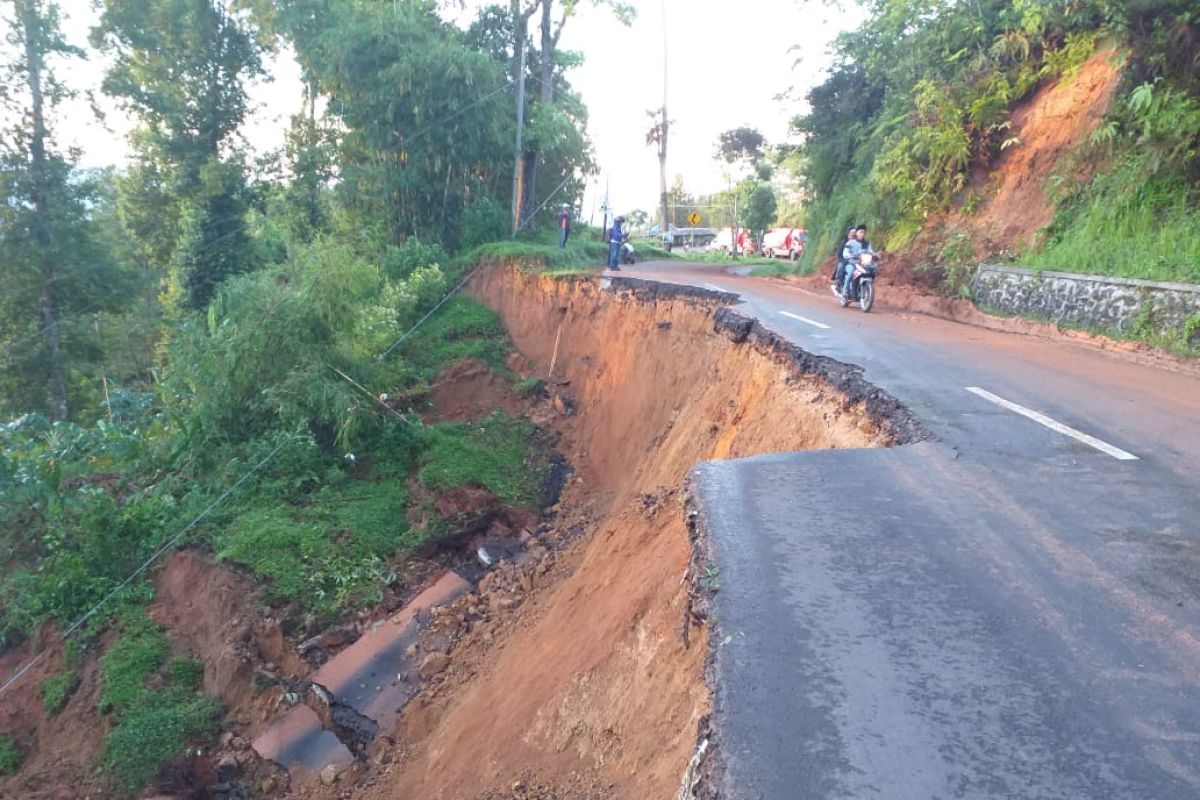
column 564, row 225
column 616, row 235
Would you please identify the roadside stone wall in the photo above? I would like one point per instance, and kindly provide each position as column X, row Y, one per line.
column 1118, row 304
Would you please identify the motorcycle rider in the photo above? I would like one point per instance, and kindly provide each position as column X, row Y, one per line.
column 616, row 235
column 855, row 247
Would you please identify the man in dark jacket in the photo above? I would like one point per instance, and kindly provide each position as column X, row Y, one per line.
column 616, row 235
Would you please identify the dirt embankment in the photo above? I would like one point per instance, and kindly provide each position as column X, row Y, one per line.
column 1048, row 129
column 1016, row 194
column 593, row 687
column 578, row 674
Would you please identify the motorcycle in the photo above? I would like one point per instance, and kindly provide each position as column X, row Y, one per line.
column 862, row 284
column 626, row 253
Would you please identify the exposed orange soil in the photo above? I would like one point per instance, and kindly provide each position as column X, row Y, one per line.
column 1049, row 128
column 588, row 689
column 657, row 391
column 469, row 391
column 59, row 748
column 1058, row 118
column 210, row 613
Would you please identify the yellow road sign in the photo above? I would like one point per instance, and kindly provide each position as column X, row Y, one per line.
column 693, row 218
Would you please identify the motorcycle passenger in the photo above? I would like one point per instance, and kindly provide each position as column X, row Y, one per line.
column 841, row 258
column 616, row 235
column 854, row 248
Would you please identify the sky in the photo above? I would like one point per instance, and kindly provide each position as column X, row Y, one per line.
column 728, row 64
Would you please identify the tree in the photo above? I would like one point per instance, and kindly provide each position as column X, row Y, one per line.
column 743, row 149
column 424, row 116
column 36, row 33
column 657, row 136
column 550, row 64
column 637, row 219
column 181, row 66
column 759, row 204
column 50, row 264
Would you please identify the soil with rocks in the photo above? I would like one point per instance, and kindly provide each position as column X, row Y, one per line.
column 579, row 672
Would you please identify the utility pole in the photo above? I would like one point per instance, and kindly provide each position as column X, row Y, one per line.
column 662, row 145
column 520, row 20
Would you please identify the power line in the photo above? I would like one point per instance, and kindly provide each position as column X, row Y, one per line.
column 440, row 303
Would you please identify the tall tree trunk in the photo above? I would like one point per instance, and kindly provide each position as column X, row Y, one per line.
column 520, row 22
column 665, row 225
column 314, row 208
column 34, row 59
column 662, row 144
column 545, row 96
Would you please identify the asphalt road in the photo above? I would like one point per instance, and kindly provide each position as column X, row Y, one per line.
column 1009, row 611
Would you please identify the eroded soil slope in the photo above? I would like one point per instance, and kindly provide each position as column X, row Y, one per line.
column 594, row 687
column 1016, row 193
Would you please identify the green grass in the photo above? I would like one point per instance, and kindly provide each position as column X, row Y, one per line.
column 463, row 328
column 529, row 387
column 718, row 257
column 153, row 702
column 129, row 662
column 775, row 270
column 496, row 454
column 579, row 257
column 328, row 554
column 10, row 755
column 1126, row 225
column 58, row 688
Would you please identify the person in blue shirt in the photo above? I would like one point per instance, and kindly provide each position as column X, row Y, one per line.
column 840, row 264
column 616, row 235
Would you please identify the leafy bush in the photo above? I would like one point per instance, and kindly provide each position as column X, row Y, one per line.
column 400, row 262
column 484, row 221
column 278, row 348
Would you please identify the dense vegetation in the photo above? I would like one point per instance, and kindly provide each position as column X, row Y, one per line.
column 922, row 93
column 193, row 348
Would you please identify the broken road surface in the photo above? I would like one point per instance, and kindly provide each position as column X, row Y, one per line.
column 1010, row 610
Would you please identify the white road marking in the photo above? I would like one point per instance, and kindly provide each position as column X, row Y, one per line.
column 713, row 288
column 813, row 322
column 1054, row 425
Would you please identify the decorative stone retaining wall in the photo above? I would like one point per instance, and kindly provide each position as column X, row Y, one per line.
column 1118, row 304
